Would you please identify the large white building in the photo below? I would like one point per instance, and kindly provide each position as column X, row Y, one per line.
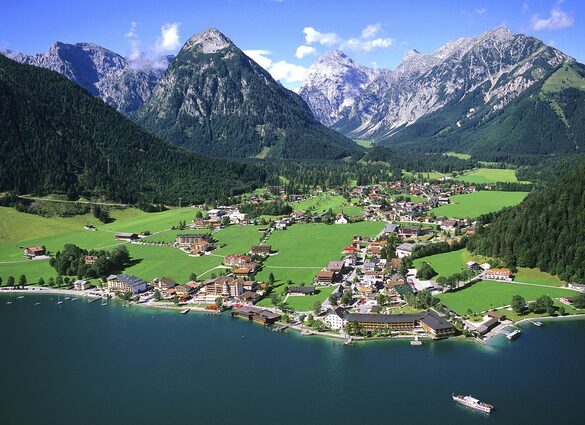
column 334, row 319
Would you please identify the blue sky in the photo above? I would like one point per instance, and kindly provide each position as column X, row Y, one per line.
column 286, row 36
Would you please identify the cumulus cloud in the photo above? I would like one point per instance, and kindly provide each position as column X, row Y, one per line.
column 154, row 56
column 260, row 57
column 557, row 19
column 303, row 51
column 169, row 38
column 371, row 30
column 325, row 39
column 366, row 41
column 284, row 71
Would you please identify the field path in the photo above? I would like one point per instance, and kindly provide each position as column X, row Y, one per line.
column 542, row 286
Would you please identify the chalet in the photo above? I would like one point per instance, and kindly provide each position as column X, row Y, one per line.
column 341, row 219
column 350, row 249
column 81, row 285
column 126, row 283
column 395, row 263
column 391, row 228
column 183, row 291
column 301, row 290
column 189, row 239
column 495, row 315
column 404, row 250
column 370, row 266
column 335, row 266
column 163, row 284
column 246, row 269
column 129, row 237
column 498, row 274
column 249, row 285
column 262, row 250
column 473, row 266
column 200, row 247
column 325, row 277
column 34, row 251
column 392, row 322
column 349, row 260
column 443, row 200
column 236, row 260
column 449, row 225
column 249, row 297
column 90, row 259
column 334, row 318
column 259, row 315
column 577, row 286
column 409, row 231
column 435, row 325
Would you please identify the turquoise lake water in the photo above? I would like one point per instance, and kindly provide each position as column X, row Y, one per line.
column 84, row 363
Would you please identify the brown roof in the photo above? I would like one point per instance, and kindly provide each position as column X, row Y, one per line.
column 325, row 274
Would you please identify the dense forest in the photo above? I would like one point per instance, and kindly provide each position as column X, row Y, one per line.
column 546, row 230
column 57, row 138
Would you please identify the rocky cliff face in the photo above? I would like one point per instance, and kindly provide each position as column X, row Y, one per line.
column 496, row 67
column 217, row 101
column 101, row 72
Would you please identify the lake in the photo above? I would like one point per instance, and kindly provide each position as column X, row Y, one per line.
column 84, row 363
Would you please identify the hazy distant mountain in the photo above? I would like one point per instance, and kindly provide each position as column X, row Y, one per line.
column 483, row 74
column 215, row 100
column 100, row 71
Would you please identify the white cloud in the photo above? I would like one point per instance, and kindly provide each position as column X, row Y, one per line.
column 480, row 11
column 557, row 19
column 326, row 39
column 362, row 45
column 371, row 30
column 259, row 56
column 134, row 40
column 303, row 51
column 169, row 39
column 288, row 72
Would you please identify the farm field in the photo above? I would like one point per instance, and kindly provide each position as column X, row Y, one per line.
column 449, row 263
column 305, row 249
column 458, row 155
column 426, row 175
column 477, row 203
column 488, row 175
column 322, row 203
column 487, row 294
column 537, row 277
column 306, row 303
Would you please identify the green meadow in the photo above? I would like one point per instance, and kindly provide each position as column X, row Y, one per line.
column 488, row 175
column 486, row 294
column 477, row 203
column 305, row 249
column 449, row 263
column 458, row 155
column 323, row 202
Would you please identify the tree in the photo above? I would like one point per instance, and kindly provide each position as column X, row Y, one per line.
column 562, row 311
column 285, row 289
column 0, row 281
column 317, row 307
column 11, row 281
column 346, row 297
column 426, row 271
column 333, row 299
column 219, row 302
column 59, row 281
column 271, row 278
column 41, row 281
column 156, row 295
column 542, row 304
column 518, row 304
column 193, row 277
column 579, row 301
column 175, row 299
column 51, row 282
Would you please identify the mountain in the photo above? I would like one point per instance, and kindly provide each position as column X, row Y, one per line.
column 121, row 83
column 215, row 100
column 57, row 138
column 545, row 230
column 467, row 78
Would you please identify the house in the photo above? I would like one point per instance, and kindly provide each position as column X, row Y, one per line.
column 350, row 249
column 335, row 266
column 34, row 251
column 183, row 291
column 301, row 290
column 392, row 322
column 577, row 286
column 395, row 263
column 334, row 319
column 81, row 285
column 391, row 228
column 435, row 325
column 259, row 315
column 341, row 219
column 126, row 283
column 404, row 250
column 189, row 239
column 247, row 269
column 163, row 284
column 409, row 231
column 370, row 266
column 236, row 260
column 281, row 224
column 249, row 297
column 129, row 237
column 349, row 260
column 262, row 250
column 495, row 315
column 473, row 266
column 498, row 274
column 249, row 285
column 449, row 225
column 90, row 259
column 325, row 277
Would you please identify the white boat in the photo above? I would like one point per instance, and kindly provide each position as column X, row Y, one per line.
column 21, row 297
column 514, row 334
column 348, row 341
column 416, row 341
column 185, row 310
column 538, row 324
column 473, row 403
column 37, row 303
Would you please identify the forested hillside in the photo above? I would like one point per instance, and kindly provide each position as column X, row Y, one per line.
column 546, row 230
column 56, row 138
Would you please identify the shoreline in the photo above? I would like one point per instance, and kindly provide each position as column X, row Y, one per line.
column 41, row 290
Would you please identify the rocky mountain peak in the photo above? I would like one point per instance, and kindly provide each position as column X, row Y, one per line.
column 210, row 40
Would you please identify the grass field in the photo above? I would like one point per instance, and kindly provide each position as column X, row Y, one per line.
column 486, row 294
column 450, row 262
column 305, row 249
column 426, row 175
column 322, row 203
column 478, row 203
column 306, row 303
column 488, row 175
column 365, row 143
column 537, row 277
column 458, row 155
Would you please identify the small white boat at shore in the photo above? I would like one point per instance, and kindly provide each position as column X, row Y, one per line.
column 416, row 341
column 514, row 334
column 185, row 310
column 538, row 324
column 473, row 403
